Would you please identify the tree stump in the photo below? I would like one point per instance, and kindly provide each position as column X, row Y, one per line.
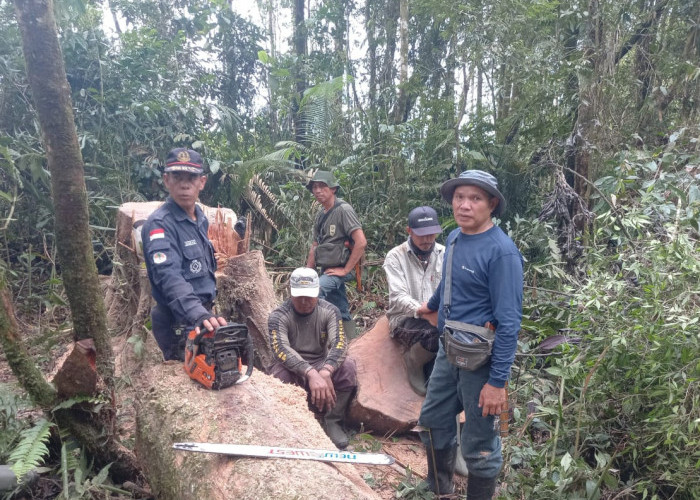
column 385, row 402
column 246, row 294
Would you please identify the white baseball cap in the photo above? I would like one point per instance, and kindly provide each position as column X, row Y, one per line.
column 304, row 283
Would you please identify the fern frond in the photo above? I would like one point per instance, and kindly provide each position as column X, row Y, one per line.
column 68, row 403
column 31, row 450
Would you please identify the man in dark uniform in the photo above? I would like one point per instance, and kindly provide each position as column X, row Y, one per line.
column 180, row 258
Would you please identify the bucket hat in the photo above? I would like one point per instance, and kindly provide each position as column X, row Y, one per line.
column 323, row 176
column 477, row 178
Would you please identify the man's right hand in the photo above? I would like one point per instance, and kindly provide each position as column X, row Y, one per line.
column 423, row 310
column 211, row 324
column 322, row 390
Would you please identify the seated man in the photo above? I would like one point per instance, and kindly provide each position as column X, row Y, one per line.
column 307, row 339
column 413, row 270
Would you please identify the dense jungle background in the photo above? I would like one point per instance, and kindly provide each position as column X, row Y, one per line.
column 586, row 111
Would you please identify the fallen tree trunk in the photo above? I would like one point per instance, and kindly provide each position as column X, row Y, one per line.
column 385, row 402
column 262, row 411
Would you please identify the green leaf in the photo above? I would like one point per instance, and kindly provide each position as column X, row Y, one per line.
column 31, row 450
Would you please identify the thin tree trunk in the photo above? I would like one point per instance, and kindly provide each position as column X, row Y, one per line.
column 51, row 93
column 400, row 106
column 299, row 72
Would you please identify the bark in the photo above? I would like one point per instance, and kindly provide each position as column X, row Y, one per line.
column 246, row 294
column 95, row 431
column 370, row 24
column 385, row 402
column 51, row 93
column 30, row 377
column 300, row 48
column 400, row 106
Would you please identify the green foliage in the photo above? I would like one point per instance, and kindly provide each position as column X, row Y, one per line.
column 10, row 426
column 365, row 442
column 412, row 487
column 620, row 411
column 31, row 449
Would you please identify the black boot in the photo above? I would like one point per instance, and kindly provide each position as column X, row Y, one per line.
column 333, row 420
column 441, row 469
column 416, row 357
column 480, row 488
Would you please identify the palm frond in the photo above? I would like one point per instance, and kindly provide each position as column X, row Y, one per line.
column 255, row 202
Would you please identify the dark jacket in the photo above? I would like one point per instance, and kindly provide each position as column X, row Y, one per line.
column 180, row 262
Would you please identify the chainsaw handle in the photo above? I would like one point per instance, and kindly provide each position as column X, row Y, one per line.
column 250, row 358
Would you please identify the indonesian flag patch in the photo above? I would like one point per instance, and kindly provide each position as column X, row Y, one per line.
column 157, row 234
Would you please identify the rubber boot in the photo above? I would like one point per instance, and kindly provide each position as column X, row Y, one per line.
column 333, row 420
column 349, row 328
column 441, row 469
column 480, row 488
column 416, row 357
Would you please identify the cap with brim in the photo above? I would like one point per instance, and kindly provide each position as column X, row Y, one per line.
column 304, row 282
column 424, row 221
column 323, row 176
column 477, row 178
column 184, row 160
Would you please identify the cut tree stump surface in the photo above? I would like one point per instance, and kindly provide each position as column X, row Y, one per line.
column 385, row 402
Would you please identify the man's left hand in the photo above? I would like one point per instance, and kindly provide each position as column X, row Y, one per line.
column 335, row 271
column 492, row 400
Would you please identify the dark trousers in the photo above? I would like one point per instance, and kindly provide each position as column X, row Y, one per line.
column 344, row 378
column 169, row 335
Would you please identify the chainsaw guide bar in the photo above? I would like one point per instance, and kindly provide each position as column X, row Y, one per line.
column 245, row 450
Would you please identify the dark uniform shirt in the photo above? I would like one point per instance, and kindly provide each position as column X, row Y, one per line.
column 180, row 262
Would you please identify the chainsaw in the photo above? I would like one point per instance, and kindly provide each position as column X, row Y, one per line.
column 215, row 358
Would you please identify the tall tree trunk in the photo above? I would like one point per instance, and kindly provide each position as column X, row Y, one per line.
column 400, row 105
column 370, row 28
column 51, row 92
column 300, row 45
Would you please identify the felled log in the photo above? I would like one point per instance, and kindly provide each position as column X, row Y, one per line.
column 261, row 411
column 385, row 402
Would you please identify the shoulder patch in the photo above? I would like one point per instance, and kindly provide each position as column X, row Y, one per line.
column 156, row 234
column 159, row 258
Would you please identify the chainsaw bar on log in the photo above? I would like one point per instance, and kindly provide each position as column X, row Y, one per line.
column 245, row 450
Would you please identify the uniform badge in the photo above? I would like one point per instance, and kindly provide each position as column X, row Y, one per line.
column 331, row 229
column 183, row 156
column 156, row 234
column 159, row 258
column 195, row 266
